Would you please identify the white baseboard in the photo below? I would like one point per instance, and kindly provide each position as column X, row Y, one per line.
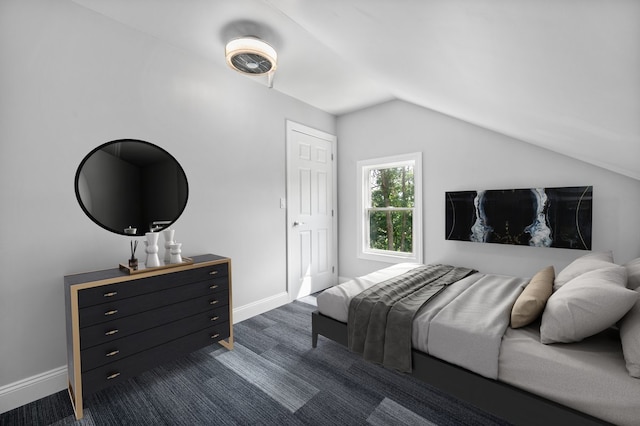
column 32, row 388
column 260, row 307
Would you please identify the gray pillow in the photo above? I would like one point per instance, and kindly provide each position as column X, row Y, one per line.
column 583, row 264
column 633, row 274
column 586, row 305
column 630, row 336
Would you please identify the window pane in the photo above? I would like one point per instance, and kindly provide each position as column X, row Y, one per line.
column 392, row 187
column 391, row 230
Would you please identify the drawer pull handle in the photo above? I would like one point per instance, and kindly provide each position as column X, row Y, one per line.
column 115, row 311
column 215, row 318
column 213, row 272
column 213, row 287
column 112, row 353
column 215, row 335
column 111, row 332
column 113, row 376
column 110, row 294
column 213, row 302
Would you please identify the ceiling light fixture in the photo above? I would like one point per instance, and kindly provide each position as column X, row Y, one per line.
column 252, row 56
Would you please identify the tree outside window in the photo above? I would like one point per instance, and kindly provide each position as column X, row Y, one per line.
column 391, row 216
column 391, row 210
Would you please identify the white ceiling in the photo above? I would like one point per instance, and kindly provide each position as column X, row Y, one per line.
column 562, row 74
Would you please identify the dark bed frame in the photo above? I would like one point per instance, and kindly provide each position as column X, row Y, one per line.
column 500, row 399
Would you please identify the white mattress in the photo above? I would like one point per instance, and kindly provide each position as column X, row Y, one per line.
column 334, row 301
column 589, row 376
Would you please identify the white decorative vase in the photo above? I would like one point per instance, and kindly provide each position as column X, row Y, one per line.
column 151, row 250
column 176, row 256
column 168, row 240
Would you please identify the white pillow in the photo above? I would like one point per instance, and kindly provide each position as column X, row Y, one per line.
column 630, row 337
column 633, row 274
column 583, row 264
column 586, row 305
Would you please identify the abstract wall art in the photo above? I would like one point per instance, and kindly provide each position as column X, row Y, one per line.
column 539, row 217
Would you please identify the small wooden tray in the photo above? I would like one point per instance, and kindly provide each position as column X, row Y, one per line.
column 142, row 268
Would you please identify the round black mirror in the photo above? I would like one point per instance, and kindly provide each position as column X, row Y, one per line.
column 131, row 187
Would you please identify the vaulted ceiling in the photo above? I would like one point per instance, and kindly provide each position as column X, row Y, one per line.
column 563, row 74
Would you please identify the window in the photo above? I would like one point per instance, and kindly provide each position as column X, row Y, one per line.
column 390, row 208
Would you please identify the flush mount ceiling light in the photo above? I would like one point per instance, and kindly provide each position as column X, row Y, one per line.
column 252, row 56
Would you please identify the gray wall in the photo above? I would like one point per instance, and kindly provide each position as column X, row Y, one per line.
column 72, row 80
column 460, row 156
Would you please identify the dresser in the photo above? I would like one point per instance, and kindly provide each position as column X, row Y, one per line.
column 121, row 324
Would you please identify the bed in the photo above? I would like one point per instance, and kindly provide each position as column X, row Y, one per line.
column 462, row 341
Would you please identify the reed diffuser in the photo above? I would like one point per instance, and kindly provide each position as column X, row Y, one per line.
column 133, row 262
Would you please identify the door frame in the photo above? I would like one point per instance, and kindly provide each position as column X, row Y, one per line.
column 291, row 127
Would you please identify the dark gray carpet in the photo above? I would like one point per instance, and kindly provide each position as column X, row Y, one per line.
column 273, row 376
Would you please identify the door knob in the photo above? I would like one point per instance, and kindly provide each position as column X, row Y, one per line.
column 298, row 223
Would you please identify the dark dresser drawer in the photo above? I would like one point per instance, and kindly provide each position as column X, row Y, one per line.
column 132, row 305
column 131, row 345
column 215, row 305
column 130, row 288
column 128, row 367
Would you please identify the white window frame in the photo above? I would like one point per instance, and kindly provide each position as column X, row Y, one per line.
column 364, row 202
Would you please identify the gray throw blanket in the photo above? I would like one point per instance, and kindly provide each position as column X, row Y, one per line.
column 381, row 317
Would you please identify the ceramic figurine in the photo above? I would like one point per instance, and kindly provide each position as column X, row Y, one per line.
column 168, row 240
column 176, row 257
column 152, row 250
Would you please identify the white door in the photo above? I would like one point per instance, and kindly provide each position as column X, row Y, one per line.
column 312, row 252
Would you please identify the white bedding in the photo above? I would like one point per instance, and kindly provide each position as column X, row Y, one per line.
column 468, row 331
column 589, row 376
column 463, row 325
column 335, row 300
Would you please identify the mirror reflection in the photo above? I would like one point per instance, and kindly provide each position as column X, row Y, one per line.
column 131, row 187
